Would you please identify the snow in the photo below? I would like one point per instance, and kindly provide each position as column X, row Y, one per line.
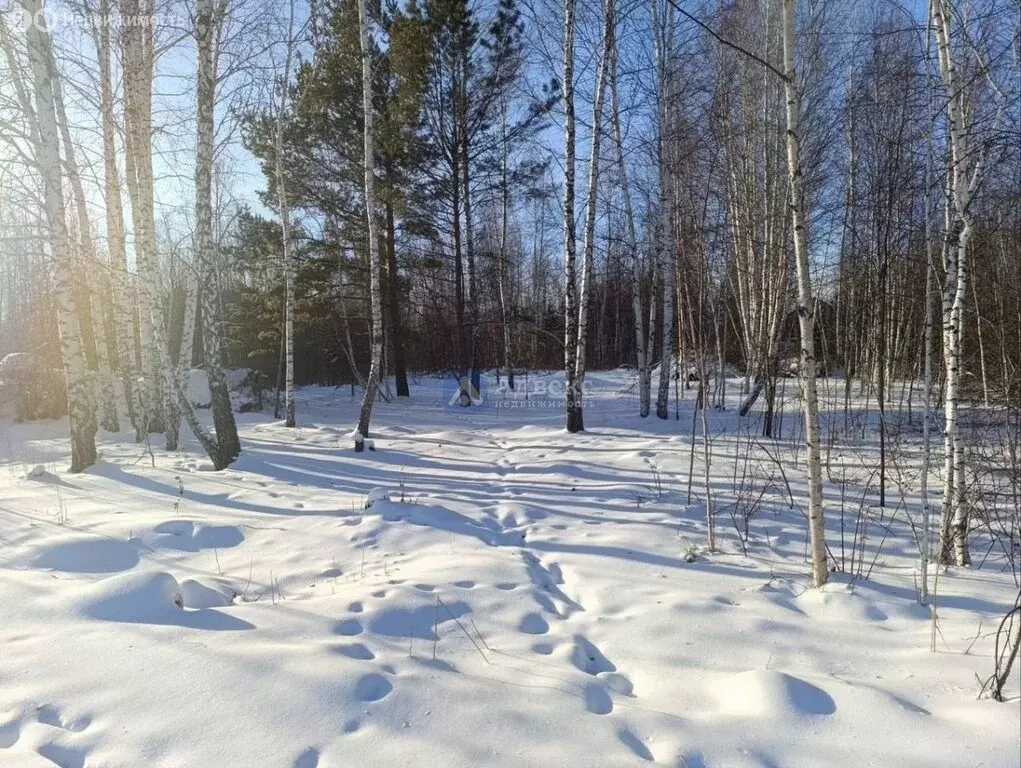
column 199, row 394
column 483, row 589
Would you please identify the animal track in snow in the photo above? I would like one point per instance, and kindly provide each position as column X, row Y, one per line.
column 533, row 624
column 357, row 651
column 597, row 700
column 10, row 732
column 308, row 759
column 547, row 593
column 372, row 687
column 588, row 658
column 631, row 740
column 63, row 756
column 348, row 627
column 48, row 714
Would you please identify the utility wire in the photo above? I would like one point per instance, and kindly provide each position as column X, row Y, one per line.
column 727, row 42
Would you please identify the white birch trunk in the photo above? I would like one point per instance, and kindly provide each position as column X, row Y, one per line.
column 80, row 407
column 964, row 175
column 162, row 399
column 290, row 268
column 225, row 447
column 375, row 297
column 589, row 236
column 806, row 302
column 505, row 318
column 925, row 545
column 571, row 392
column 641, row 356
column 87, row 263
column 122, row 294
column 665, row 253
column 184, row 353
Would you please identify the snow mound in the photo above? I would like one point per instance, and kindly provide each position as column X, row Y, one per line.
column 511, row 514
column 147, row 596
column 192, row 536
column 152, row 597
column 376, row 494
column 770, row 694
column 87, row 554
column 840, row 601
column 197, row 594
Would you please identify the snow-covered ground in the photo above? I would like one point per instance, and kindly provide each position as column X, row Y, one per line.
column 483, row 589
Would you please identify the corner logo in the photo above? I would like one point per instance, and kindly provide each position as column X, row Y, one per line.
column 21, row 16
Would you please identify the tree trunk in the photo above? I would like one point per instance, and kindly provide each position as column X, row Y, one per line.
column 161, row 398
column 641, row 355
column 290, row 268
column 665, row 254
column 806, row 302
column 571, row 393
column 123, row 304
column 87, row 265
column 505, row 318
column 226, row 447
column 372, row 384
column 589, row 236
column 394, row 329
column 964, row 175
column 80, row 406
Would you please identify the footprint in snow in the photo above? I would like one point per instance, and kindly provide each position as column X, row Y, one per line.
column 48, row 714
column 533, row 624
column 635, row 744
column 597, row 700
column 588, row 658
column 308, row 759
column 348, row 627
column 65, row 757
column 10, row 732
column 372, row 687
column 357, row 651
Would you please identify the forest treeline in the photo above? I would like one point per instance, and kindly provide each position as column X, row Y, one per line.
column 750, row 189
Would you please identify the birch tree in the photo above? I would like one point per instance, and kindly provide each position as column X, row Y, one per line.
column 588, row 247
column 806, row 299
column 642, row 356
column 571, row 390
column 376, row 299
column 80, row 404
column 225, row 447
column 663, row 20
column 159, row 382
column 122, row 294
column 290, row 267
column 87, row 262
column 964, row 174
